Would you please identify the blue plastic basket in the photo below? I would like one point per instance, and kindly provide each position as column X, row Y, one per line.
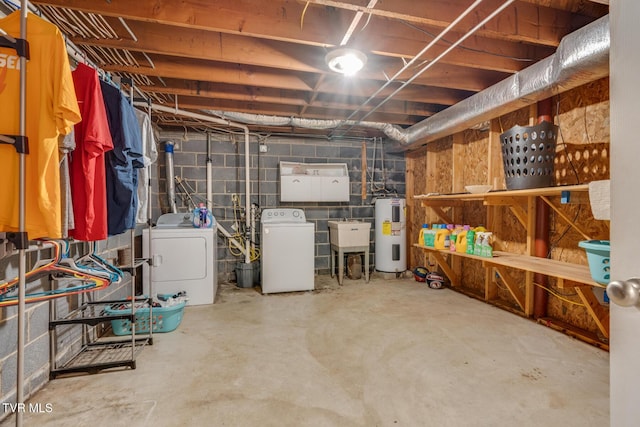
column 165, row 319
column 598, row 257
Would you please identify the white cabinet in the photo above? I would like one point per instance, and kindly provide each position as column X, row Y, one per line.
column 314, row 182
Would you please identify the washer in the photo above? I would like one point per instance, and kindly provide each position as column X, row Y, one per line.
column 183, row 258
column 287, row 251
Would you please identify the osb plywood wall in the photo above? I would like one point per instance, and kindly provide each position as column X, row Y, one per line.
column 582, row 156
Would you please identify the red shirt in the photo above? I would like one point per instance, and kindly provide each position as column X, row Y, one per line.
column 87, row 170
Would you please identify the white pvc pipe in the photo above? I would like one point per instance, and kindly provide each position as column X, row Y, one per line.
column 247, row 254
column 247, row 192
column 209, row 175
column 171, row 184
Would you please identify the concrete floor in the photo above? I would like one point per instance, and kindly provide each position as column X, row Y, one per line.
column 387, row 353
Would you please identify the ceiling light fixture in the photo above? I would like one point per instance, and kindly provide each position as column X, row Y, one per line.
column 346, row 60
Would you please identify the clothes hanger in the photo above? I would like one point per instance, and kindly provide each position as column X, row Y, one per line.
column 97, row 269
column 93, row 260
column 90, row 282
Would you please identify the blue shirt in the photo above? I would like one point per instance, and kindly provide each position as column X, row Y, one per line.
column 121, row 163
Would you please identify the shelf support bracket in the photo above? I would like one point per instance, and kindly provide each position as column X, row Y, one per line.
column 511, row 284
column 565, row 217
column 442, row 262
column 596, row 311
column 441, row 214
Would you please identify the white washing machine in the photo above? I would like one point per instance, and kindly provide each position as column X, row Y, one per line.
column 183, row 258
column 287, row 251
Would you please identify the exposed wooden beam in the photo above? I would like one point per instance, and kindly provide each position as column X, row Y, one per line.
column 522, row 22
column 160, row 39
column 275, row 96
column 172, row 67
column 280, row 19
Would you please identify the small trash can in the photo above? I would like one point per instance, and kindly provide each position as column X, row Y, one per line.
column 245, row 275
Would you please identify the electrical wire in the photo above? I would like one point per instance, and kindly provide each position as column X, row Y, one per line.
column 304, row 11
column 470, row 49
column 566, row 230
column 239, row 235
column 560, row 297
column 564, row 144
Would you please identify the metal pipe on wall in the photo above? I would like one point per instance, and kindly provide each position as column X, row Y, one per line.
column 209, row 174
column 247, row 163
column 22, row 272
column 171, row 183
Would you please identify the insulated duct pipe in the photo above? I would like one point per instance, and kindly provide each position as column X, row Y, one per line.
column 581, row 57
column 171, row 181
column 245, row 129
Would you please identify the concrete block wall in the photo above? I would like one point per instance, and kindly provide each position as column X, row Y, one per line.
column 37, row 336
column 229, row 180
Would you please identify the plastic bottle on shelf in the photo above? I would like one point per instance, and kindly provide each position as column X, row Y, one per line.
column 202, row 218
column 471, row 239
column 461, row 240
column 442, row 238
column 423, row 231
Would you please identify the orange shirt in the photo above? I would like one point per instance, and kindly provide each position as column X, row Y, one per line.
column 52, row 110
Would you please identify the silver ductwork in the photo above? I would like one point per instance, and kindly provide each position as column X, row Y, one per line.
column 581, row 57
column 391, row 131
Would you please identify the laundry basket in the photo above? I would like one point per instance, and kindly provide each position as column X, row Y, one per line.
column 528, row 155
column 598, row 258
column 165, row 319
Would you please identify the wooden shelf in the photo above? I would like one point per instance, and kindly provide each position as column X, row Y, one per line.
column 562, row 270
column 523, row 205
column 532, row 192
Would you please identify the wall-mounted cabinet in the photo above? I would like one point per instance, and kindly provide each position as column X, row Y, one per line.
column 314, row 182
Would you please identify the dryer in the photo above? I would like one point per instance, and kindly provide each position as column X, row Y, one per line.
column 287, row 251
column 183, row 258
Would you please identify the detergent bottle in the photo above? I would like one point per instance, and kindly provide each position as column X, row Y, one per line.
column 442, row 239
column 430, row 237
column 422, row 238
column 202, row 218
column 471, row 239
column 461, row 240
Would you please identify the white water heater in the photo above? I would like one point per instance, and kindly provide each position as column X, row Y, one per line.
column 391, row 239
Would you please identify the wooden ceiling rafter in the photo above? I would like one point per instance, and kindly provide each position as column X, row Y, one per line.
column 268, row 57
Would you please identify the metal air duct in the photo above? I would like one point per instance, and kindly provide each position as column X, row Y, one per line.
column 581, row 57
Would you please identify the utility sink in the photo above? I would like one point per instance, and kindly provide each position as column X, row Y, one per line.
column 347, row 234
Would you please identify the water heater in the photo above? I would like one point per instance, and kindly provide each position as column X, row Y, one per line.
column 390, row 236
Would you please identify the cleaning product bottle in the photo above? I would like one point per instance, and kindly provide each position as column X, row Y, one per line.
column 471, row 239
column 202, row 218
column 442, row 239
column 461, row 240
column 422, row 237
column 430, row 237
column 457, row 229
